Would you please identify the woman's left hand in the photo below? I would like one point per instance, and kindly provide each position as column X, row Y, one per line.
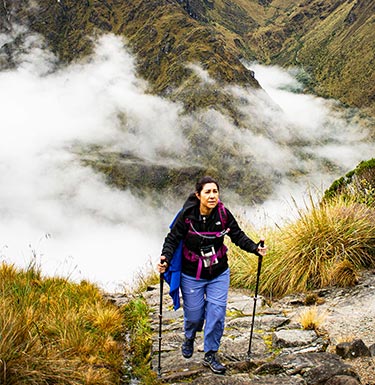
column 262, row 248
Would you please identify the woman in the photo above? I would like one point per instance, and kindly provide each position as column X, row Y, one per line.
column 201, row 225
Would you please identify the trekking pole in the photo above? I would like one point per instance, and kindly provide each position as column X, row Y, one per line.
column 160, row 321
column 260, row 257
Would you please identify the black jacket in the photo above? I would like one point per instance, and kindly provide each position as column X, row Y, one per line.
column 194, row 242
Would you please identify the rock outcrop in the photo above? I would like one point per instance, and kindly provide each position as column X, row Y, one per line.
column 282, row 352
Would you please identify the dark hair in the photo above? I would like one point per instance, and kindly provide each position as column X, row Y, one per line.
column 203, row 181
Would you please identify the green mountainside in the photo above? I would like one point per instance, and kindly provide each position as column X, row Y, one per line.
column 332, row 41
column 341, row 53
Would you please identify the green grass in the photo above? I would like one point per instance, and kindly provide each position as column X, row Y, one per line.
column 139, row 341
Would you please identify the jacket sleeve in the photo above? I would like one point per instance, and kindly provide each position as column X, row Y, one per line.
column 238, row 237
column 173, row 238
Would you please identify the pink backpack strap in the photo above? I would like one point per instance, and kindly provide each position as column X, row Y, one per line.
column 222, row 214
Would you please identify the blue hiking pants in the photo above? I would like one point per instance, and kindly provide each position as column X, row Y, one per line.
column 205, row 300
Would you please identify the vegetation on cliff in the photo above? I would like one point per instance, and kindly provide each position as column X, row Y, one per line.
column 357, row 185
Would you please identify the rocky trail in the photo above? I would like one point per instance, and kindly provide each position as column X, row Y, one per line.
column 282, row 352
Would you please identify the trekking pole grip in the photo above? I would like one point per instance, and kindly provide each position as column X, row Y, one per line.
column 261, row 244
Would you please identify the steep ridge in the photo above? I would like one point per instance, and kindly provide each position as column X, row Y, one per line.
column 162, row 35
column 333, row 40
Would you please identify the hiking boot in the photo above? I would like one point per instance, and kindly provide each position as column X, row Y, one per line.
column 211, row 361
column 187, row 347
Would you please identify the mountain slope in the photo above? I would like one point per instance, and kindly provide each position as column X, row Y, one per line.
column 333, row 40
column 173, row 51
column 192, row 53
column 341, row 53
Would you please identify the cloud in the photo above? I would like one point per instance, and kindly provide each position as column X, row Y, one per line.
column 47, row 110
column 310, row 141
column 53, row 207
column 201, row 73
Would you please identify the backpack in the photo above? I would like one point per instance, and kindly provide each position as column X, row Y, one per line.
column 214, row 255
column 173, row 275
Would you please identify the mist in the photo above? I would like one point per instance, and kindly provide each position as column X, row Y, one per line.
column 54, row 211
column 313, row 142
column 63, row 216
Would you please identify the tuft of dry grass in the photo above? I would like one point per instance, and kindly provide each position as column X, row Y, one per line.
column 56, row 331
column 329, row 244
column 244, row 265
column 146, row 276
column 311, row 319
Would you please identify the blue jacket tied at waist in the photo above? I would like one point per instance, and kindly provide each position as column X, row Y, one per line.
column 173, row 275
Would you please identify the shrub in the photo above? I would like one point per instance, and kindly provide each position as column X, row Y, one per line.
column 357, row 185
column 138, row 342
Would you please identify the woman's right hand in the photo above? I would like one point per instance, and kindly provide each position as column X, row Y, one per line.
column 162, row 265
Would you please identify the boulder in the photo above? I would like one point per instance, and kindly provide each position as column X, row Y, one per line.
column 342, row 380
column 354, row 349
column 314, row 368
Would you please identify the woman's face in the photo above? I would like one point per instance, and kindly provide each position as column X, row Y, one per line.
column 209, row 197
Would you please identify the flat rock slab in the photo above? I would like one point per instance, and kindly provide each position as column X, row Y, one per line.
column 265, row 322
column 291, row 338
